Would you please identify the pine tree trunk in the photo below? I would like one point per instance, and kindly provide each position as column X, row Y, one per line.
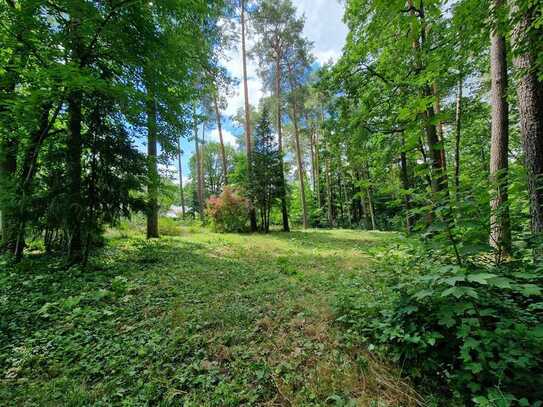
column 181, row 189
column 221, row 141
column 500, row 233
column 152, row 168
column 248, row 140
column 284, row 211
column 530, row 103
column 317, row 172
column 312, row 152
column 329, row 192
column 201, row 177
column 301, row 173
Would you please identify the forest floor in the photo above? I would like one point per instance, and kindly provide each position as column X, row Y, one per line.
column 199, row 319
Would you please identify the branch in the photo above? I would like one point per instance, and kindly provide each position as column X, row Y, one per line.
column 99, row 30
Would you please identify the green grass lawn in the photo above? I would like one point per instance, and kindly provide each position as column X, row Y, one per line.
column 200, row 319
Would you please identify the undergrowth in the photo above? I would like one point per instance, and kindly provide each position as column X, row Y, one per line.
column 470, row 334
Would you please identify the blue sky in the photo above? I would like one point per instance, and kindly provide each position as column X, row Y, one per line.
column 323, row 26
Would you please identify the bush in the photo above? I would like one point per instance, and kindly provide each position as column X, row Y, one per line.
column 229, row 212
column 473, row 332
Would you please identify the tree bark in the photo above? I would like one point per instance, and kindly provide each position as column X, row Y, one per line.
column 152, row 168
column 284, row 211
column 28, row 169
column 530, row 103
column 200, row 173
column 317, row 171
column 370, row 201
column 439, row 128
column 75, row 253
column 248, row 140
column 181, row 189
column 301, row 174
column 8, row 144
column 438, row 178
column 8, row 168
column 328, row 191
column 221, row 141
column 500, row 233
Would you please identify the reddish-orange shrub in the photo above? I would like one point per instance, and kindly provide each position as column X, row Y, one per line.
column 229, row 212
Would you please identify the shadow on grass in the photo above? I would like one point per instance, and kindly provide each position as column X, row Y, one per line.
column 169, row 322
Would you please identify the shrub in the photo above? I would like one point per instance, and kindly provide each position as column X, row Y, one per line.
column 229, row 211
column 473, row 332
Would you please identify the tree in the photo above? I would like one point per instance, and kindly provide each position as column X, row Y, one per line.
column 248, row 139
column 67, row 57
column 500, row 233
column 277, row 26
column 526, row 40
column 267, row 170
column 298, row 60
column 210, row 161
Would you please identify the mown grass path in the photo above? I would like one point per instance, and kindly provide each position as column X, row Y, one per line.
column 203, row 319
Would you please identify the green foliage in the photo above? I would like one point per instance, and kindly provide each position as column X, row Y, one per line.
column 201, row 320
column 475, row 330
column 229, row 212
column 267, row 177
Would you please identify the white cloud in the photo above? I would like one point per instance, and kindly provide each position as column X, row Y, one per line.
column 323, row 26
column 228, row 137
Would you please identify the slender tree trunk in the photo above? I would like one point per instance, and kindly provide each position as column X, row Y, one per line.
column 284, row 211
column 181, row 189
column 8, row 168
column 340, row 199
column 152, row 168
column 348, row 203
column 370, row 206
column 317, row 171
column 370, row 200
column 201, row 177
column 362, row 193
column 312, row 152
column 530, row 103
column 248, row 140
column 458, row 132
column 198, row 183
column 439, row 127
column 74, row 153
column 301, row 173
column 23, row 189
column 404, row 175
column 221, row 141
column 9, row 144
column 328, row 191
column 500, row 233
column 439, row 180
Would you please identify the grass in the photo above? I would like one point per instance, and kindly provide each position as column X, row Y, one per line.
column 198, row 319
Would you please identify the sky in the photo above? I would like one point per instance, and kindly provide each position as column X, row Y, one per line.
column 323, row 26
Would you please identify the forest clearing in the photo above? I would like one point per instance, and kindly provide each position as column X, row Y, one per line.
column 201, row 319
